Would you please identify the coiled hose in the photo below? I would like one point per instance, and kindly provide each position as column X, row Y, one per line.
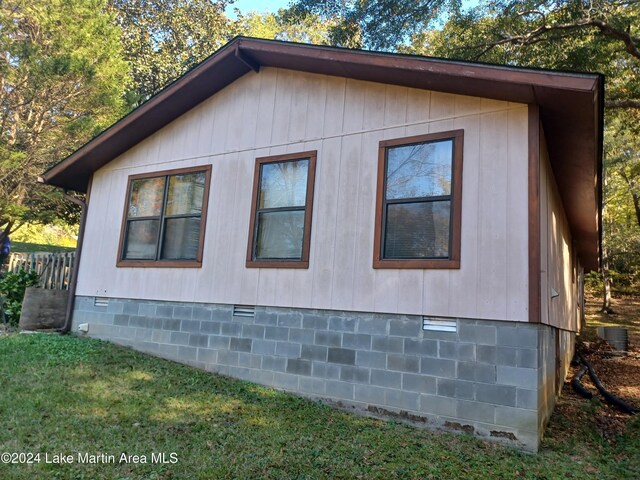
column 610, row 398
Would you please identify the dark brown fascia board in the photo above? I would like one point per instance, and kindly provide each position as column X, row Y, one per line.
column 349, row 63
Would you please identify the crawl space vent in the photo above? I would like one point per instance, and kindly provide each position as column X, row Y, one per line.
column 438, row 325
column 101, row 302
column 244, row 311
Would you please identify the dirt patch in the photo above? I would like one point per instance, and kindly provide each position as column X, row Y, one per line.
column 460, row 427
column 500, row 434
column 620, row 374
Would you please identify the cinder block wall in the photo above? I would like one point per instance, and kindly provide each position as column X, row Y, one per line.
column 556, row 348
column 487, row 378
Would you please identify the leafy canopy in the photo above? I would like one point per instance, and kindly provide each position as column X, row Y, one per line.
column 375, row 24
column 162, row 39
column 61, row 82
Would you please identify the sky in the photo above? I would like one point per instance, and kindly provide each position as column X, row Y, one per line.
column 274, row 5
column 257, row 5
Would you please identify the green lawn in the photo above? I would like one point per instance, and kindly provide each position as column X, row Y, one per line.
column 20, row 247
column 67, row 395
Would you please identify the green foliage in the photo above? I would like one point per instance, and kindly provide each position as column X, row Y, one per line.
column 621, row 218
column 308, row 28
column 573, row 35
column 55, row 234
column 12, row 288
column 376, row 24
column 163, row 39
column 26, row 247
column 593, row 282
column 61, row 81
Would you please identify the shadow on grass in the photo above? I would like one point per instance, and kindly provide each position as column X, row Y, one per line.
column 64, row 394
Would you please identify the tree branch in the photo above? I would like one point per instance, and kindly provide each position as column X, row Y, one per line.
column 626, row 38
column 630, row 43
column 617, row 103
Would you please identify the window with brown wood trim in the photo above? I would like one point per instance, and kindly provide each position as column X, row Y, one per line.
column 281, row 209
column 164, row 218
column 418, row 207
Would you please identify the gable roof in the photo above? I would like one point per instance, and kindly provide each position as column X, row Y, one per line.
column 571, row 111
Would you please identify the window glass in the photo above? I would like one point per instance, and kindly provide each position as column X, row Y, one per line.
column 146, row 197
column 142, row 238
column 417, row 230
column 280, row 227
column 181, row 238
column 185, row 193
column 280, row 235
column 283, row 184
column 419, row 170
column 418, row 215
column 164, row 217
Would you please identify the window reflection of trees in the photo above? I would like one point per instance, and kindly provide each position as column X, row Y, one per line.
column 421, row 174
column 146, row 197
column 183, row 210
column 185, row 194
column 280, row 235
column 420, row 170
column 284, row 184
column 177, row 205
column 282, row 201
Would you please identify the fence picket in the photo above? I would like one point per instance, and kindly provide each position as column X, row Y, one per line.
column 54, row 269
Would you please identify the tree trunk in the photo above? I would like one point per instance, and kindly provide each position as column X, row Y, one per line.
column 606, row 280
column 634, row 194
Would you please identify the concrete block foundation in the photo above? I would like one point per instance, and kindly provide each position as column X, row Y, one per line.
column 496, row 379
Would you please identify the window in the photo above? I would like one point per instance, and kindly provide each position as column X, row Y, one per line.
column 164, row 218
column 280, row 229
column 419, row 202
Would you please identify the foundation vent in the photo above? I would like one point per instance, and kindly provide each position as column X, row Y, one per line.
column 101, row 302
column 244, row 311
column 439, row 325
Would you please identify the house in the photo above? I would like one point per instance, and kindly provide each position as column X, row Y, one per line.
column 403, row 235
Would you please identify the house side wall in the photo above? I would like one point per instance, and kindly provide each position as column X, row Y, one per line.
column 279, row 111
column 560, row 288
column 559, row 265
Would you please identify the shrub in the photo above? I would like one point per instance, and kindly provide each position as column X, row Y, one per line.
column 12, row 287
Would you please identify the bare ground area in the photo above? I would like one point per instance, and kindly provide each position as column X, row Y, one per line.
column 620, row 374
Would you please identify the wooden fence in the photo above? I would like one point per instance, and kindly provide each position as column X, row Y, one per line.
column 54, row 269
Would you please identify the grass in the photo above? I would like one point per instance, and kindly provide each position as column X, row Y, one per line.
column 68, row 395
column 25, row 247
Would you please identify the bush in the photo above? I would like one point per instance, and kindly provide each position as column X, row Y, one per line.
column 593, row 283
column 12, row 287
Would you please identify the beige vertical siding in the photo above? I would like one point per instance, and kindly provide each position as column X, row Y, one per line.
column 557, row 256
column 280, row 111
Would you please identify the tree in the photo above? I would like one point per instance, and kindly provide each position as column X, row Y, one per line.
column 164, row 38
column 593, row 35
column 375, row 24
column 59, row 86
column 283, row 25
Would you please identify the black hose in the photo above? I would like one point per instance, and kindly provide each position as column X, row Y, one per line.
column 610, row 398
column 577, row 384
